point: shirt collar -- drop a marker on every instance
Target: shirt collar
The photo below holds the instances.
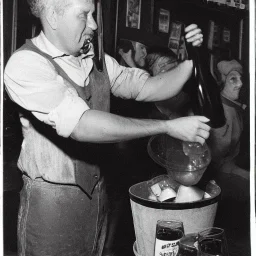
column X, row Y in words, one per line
column 45, row 45
column 233, row 103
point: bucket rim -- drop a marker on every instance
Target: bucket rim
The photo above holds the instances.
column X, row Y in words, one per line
column 171, row 205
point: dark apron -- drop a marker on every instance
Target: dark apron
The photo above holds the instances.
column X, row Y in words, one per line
column 61, row 220
column 65, row 220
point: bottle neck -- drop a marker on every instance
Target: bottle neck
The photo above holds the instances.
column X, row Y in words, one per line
column 192, row 52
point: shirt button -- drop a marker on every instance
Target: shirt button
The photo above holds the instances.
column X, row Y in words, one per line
column 95, row 176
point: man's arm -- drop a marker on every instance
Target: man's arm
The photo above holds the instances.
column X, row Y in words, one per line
column 134, row 83
column 166, row 85
column 98, row 126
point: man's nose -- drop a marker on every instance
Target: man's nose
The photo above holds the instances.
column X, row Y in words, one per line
column 92, row 24
column 239, row 83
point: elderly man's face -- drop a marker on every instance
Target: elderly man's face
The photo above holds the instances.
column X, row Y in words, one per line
column 76, row 25
column 232, row 85
column 140, row 54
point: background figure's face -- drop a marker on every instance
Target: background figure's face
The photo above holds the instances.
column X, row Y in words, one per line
column 232, row 86
column 76, row 25
column 140, row 54
column 163, row 64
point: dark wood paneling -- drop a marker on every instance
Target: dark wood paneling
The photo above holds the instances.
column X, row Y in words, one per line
column 7, row 28
column 109, row 21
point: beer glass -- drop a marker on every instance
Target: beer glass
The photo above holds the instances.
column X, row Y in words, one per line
column 212, row 242
column 168, row 235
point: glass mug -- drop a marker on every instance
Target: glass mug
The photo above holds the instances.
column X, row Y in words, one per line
column 168, row 235
column 212, row 242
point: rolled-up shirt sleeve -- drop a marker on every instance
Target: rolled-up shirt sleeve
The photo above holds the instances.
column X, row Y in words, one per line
column 32, row 82
column 125, row 82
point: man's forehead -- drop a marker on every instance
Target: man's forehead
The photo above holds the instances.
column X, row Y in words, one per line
column 234, row 73
column 140, row 44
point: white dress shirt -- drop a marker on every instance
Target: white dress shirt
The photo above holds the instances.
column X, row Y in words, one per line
column 32, row 82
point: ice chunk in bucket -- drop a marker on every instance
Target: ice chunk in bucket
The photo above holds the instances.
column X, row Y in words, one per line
column 189, row 194
column 194, row 215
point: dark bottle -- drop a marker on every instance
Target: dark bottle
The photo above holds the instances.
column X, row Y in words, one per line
column 203, row 89
column 168, row 235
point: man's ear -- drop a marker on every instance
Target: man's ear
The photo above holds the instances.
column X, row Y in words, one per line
column 51, row 17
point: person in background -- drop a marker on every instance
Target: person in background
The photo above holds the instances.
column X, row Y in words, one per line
column 225, row 141
column 64, row 105
column 160, row 60
column 132, row 53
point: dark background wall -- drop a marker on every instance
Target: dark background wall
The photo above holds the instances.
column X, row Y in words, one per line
column 189, row 12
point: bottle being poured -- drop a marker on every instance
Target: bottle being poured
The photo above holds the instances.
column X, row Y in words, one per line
column 203, row 88
column 205, row 100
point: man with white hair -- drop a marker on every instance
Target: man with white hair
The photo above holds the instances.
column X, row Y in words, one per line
column 64, row 105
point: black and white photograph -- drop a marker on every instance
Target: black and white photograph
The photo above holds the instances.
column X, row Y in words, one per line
column 127, row 128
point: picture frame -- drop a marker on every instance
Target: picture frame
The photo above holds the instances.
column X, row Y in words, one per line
column 216, row 40
column 175, row 37
column 133, row 14
column 164, row 20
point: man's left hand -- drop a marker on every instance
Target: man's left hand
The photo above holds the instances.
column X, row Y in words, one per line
column 194, row 35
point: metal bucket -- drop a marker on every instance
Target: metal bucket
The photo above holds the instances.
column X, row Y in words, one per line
column 194, row 215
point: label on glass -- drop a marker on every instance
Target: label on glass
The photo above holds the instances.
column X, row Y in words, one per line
column 166, row 248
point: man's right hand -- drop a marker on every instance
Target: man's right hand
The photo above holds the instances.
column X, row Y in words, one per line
column 191, row 128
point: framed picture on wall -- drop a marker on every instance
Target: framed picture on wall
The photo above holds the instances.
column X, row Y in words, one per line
column 133, row 13
column 175, row 38
column 164, row 21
